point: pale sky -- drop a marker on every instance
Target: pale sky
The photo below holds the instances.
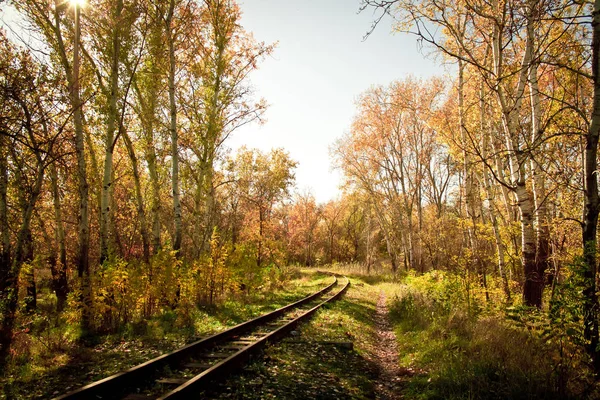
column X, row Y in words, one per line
column 317, row 71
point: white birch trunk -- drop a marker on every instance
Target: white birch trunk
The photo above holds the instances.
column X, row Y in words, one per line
column 106, row 210
column 173, row 130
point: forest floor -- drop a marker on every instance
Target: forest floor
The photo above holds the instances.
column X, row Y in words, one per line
column 410, row 340
column 316, row 363
column 410, row 343
column 59, row 365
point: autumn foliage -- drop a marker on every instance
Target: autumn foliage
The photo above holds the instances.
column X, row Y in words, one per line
column 120, row 201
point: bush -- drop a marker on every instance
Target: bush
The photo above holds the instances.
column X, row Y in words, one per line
column 517, row 354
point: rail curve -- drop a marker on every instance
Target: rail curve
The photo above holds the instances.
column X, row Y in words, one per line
column 187, row 370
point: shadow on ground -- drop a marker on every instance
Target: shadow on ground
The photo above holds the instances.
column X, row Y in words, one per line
column 102, row 356
column 303, row 367
column 301, row 370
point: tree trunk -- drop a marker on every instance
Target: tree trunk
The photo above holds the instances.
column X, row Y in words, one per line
column 83, row 224
column 592, row 203
column 469, row 180
column 518, row 158
column 331, row 237
column 368, row 260
column 30, row 288
column 173, row 130
column 391, row 250
column 260, row 236
column 9, row 274
column 209, row 203
column 150, row 155
column 507, row 195
column 534, row 285
column 498, row 239
column 487, row 184
column 113, row 117
column 5, row 245
column 58, row 269
column 6, row 279
column 138, row 196
column 539, row 185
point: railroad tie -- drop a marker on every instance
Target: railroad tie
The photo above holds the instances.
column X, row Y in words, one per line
column 242, row 342
column 136, row 396
column 232, row 347
column 195, row 365
column 215, row 355
column 172, row 381
column 252, row 339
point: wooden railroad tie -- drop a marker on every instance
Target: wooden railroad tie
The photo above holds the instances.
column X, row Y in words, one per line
column 215, row 355
column 242, row 342
column 136, row 396
column 195, row 365
column 232, row 347
column 172, row 381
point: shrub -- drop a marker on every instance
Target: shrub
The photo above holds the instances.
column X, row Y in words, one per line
column 518, row 353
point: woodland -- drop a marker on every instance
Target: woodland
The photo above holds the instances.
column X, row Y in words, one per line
column 120, row 202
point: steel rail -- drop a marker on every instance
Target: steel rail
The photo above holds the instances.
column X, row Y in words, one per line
column 228, row 365
column 121, row 383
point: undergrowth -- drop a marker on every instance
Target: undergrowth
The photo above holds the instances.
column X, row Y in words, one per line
column 50, row 356
column 484, row 351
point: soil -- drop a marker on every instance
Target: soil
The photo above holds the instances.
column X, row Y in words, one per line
column 388, row 385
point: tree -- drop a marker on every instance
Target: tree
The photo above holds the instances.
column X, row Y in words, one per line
column 502, row 44
column 50, row 21
column 263, row 180
column 305, row 216
column 331, row 217
column 171, row 81
column 172, row 32
column 592, row 203
column 30, row 127
column 216, row 101
column 387, row 155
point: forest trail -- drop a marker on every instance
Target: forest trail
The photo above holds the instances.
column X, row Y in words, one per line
column 388, row 384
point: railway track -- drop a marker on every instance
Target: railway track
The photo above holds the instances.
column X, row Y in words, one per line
column 183, row 373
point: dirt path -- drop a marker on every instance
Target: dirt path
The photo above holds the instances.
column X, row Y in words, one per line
column 388, row 383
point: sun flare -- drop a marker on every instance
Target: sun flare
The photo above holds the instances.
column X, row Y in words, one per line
column 78, row 3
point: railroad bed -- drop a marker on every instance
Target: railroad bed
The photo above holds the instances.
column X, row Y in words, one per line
column 184, row 372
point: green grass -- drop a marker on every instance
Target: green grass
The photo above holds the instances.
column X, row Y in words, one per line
column 450, row 351
column 53, row 361
column 446, row 349
column 477, row 355
column 302, row 367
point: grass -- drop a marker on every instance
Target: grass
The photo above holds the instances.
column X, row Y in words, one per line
column 446, row 349
column 52, row 362
column 478, row 355
column 303, row 367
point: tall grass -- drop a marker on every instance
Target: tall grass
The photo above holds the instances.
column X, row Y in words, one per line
column 482, row 352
